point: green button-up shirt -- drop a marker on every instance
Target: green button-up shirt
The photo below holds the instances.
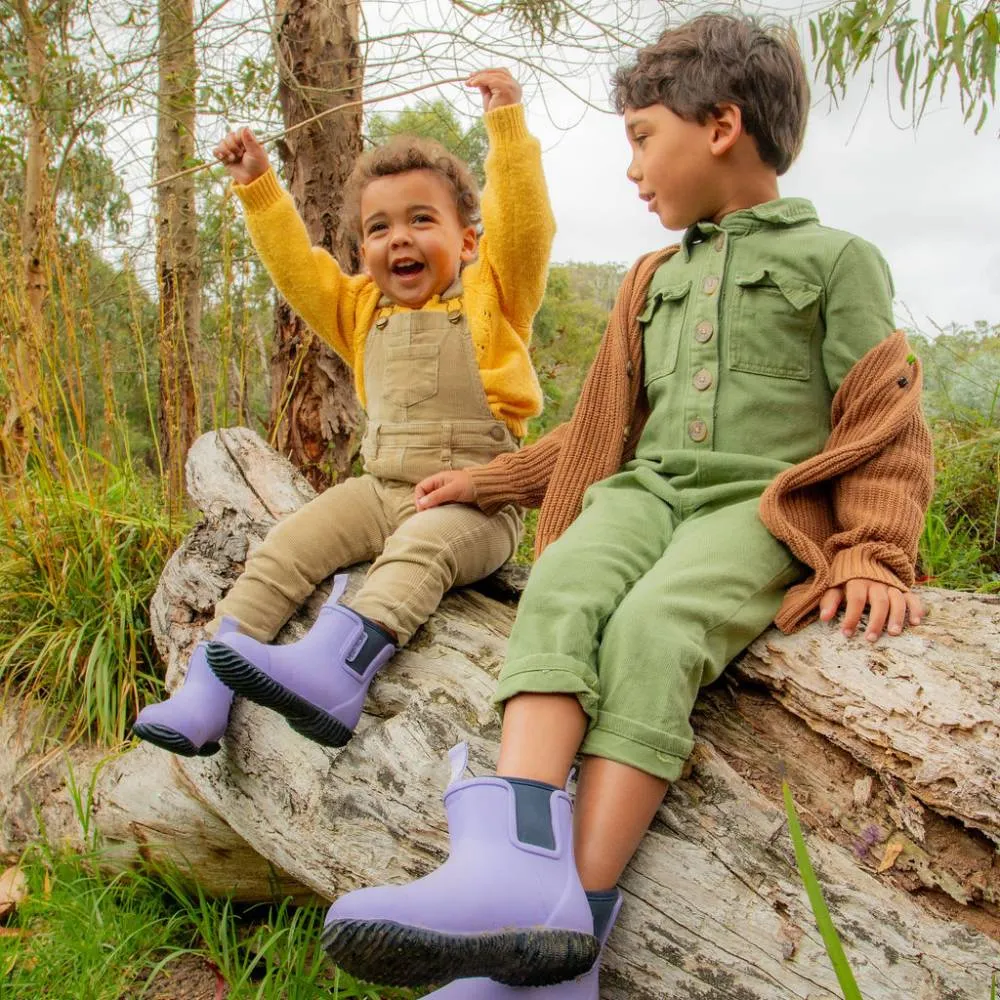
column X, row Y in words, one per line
column 748, row 331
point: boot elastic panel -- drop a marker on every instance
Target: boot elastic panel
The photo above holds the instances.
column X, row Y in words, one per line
column 533, row 811
column 375, row 640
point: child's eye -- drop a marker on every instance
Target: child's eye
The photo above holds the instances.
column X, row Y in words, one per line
column 422, row 217
column 376, row 227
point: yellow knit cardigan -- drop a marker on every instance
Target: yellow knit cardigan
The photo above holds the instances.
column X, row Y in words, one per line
column 502, row 288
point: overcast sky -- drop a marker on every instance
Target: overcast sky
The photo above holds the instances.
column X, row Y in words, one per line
column 928, row 198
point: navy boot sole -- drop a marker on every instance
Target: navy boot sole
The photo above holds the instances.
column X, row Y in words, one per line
column 175, row 742
column 396, row 955
column 242, row 677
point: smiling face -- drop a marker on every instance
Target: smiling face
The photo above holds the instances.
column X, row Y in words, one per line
column 413, row 243
column 673, row 164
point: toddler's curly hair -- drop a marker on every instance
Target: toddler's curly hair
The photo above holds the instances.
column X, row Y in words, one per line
column 399, row 155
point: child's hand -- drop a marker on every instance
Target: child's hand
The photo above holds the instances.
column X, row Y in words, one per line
column 444, row 487
column 887, row 603
column 497, row 86
column 244, row 158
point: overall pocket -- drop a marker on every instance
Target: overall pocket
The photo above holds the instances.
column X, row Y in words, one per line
column 776, row 318
column 411, row 374
column 663, row 321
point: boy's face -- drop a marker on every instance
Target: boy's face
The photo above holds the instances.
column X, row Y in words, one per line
column 673, row 164
column 413, row 242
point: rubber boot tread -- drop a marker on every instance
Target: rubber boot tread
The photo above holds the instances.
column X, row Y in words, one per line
column 396, row 955
column 169, row 739
column 242, row 677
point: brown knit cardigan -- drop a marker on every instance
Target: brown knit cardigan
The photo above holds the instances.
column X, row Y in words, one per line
column 854, row 510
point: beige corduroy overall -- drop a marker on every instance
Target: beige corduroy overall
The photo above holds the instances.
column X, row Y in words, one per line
column 427, row 411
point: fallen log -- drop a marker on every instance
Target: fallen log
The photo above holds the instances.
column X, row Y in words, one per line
column 891, row 752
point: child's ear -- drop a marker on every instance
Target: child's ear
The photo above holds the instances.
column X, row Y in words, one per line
column 726, row 128
column 470, row 244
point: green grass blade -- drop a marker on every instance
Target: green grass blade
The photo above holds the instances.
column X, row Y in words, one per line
column 822, row 915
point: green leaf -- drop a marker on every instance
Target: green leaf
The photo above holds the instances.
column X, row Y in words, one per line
column 822, row 915
column 942, row 13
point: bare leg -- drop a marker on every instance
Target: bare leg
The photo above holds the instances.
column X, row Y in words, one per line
column 615, row 804
column 541, row 735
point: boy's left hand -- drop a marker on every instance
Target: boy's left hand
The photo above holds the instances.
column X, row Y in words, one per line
column 889, row 607
column 497, row 87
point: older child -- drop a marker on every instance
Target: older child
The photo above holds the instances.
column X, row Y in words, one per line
column 437, row 332
column 749, row 380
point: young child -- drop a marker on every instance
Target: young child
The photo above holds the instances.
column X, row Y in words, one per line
column 437, row 332
column 751, row 422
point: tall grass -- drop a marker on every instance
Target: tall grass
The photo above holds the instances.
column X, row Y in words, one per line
column 961, row 545
column 79, row 934
column 84, row 531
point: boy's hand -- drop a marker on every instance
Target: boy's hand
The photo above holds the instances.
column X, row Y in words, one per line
column 454, row 486
column 888, row 605
column 244, row 158
column 497, row 86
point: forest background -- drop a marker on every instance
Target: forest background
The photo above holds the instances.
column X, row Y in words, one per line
column 135, row 317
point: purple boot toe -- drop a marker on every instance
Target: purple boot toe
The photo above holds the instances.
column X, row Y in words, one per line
column 318, row 683
column 586, row 987
column 192, row 720
column 507, row 905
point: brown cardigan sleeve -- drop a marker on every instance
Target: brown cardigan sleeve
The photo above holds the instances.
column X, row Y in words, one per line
column 520, row 477
column 879, row 504
column 879, row 509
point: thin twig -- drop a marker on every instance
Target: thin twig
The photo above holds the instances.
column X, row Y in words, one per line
column 309, row 121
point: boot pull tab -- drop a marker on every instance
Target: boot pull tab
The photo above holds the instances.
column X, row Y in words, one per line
column 339, row 586
column 459, row 757
column 570, row 779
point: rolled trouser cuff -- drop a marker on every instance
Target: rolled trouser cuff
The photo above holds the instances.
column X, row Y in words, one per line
column 657, row 753
column 549, row 673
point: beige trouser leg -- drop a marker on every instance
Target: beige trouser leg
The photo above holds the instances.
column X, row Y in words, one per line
column 422, row 556
column 344, row 525
column 428, row 554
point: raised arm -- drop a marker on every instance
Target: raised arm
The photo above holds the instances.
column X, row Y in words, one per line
column 306, row 275
column 518, row 225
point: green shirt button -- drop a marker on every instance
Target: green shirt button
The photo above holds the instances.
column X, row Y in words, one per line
column 719, row 243
column 697, row 430
column 704, row 331
column 702, row 379
column 710, row 284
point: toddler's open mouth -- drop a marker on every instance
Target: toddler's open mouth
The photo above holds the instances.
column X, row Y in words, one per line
column 407, row 268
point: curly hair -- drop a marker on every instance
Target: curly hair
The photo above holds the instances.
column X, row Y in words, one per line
column 717, row 59
column 399, row 155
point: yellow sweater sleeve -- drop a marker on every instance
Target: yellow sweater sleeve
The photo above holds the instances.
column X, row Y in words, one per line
column 518, row 225
column 331, row 302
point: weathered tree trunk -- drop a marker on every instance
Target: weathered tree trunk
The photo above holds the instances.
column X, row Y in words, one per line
column 22, row 403
column 891, row 753
column 314, row 410
column 177, row 260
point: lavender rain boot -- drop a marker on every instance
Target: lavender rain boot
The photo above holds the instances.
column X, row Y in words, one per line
column 192, row 720
column 318, row 683
column 507, row 905
column 586, row 987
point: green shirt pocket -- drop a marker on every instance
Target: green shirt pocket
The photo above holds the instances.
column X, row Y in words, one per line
column 663, row 321
column 775, row 318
